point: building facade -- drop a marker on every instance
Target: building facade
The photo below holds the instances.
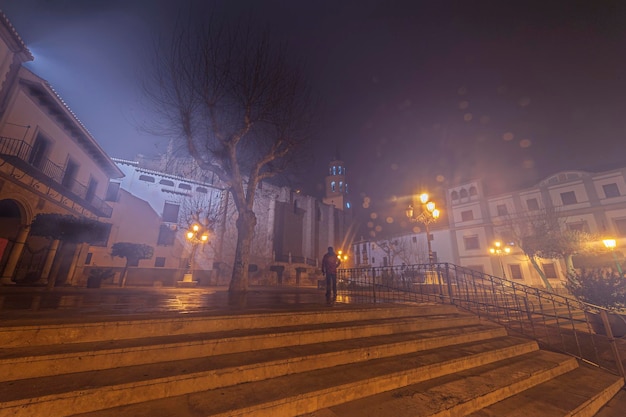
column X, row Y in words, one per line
column 591, row 202
column 50, row 164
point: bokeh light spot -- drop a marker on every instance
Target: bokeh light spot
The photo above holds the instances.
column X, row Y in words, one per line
column 378, row 228
column 370, row 225
column 525, row 143
column 389, row 219
column 373, row 216
column 468, row 117
column 463, row 104
column 440, row 178
column 394, row 167
column 417, row 229
column 528, row 164
column 508, row 136
column 524, row 101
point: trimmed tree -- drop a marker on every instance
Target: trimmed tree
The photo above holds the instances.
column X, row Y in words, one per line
column 133, row 252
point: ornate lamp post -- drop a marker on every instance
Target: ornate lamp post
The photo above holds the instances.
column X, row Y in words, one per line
column 499, row 250
column 611, row 244
column 428, row 215
column 196, row 235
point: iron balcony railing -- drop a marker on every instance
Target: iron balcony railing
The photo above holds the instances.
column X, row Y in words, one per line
column 556, row 321
column 21, row 154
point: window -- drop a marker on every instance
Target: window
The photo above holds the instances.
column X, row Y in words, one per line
column 91, row 189
column 502, row 210
column 467, row 215
column 414, row 239
column 532, row 204
column 620, row 225
column 568, row 198
column 549, row 270
column 610, row 190
column 471, row 242
column 454, row 195
column 71, row 169
column 332, row 186
column 463, row 193
column 170, row 212
column 103, row 237
column 113, row 191
column 477, row 268
column 88, row 258
column 202, row 190
column 184, row 186
column 159, row 261
column 167, row 236
column 39, row 152
column 473, row 191
column 516, row 271
column 578, row 226
column 146, row 178
column 169, row 183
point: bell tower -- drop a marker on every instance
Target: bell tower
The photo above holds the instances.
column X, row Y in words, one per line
column 336, row 192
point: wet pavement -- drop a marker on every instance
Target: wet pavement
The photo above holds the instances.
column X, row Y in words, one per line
column 34, row 304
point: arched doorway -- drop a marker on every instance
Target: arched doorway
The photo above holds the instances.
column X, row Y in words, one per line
column 10, row 225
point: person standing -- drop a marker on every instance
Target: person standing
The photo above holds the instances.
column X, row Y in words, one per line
column 330, row 263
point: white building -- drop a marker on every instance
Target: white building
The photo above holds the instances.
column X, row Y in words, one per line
column 585, row 201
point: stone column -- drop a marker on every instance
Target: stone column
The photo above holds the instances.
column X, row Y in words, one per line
column 15, row 255
column 47, row 266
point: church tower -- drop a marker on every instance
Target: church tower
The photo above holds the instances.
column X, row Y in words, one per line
column 336, row 186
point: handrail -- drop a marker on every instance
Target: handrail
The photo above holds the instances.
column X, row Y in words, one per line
column 556, row 321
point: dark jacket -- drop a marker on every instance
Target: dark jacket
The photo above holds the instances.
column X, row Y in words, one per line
column 330, row 263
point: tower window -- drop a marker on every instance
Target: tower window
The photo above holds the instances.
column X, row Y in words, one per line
column 333, row 186
column 340, row 185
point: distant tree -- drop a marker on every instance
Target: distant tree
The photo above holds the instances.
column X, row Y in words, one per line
column 542, row 234
column 234, row 102
column 133, row 252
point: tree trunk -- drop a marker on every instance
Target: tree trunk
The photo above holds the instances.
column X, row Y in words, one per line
column 246, row 223
column 533, row 261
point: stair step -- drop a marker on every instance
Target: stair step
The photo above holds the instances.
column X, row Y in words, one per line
column 579, row 393
column 461, row 393
column 40, row 361
column 86, row 331
column 300, row 393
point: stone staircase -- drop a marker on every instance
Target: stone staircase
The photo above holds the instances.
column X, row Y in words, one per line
column 350, row 360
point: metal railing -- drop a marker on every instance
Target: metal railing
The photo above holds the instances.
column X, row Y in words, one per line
column 558, row 322
column 23, row 152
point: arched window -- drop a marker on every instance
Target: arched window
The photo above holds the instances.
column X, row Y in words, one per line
column 333, row 185
column 334, row 170
column 463, row 193
column 146, row 178
column 454, row 195
column 473, row 190
column 340, row 186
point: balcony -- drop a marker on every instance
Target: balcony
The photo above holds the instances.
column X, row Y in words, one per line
column 21, row 155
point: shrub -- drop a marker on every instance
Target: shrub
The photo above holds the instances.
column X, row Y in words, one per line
column 603, row 287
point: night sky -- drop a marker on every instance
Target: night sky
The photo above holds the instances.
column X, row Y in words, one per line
column 415, row 95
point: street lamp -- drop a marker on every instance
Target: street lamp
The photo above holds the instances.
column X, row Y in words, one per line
column 611, row 244
column 196, row 235
column 428, row 215
column 499, row 249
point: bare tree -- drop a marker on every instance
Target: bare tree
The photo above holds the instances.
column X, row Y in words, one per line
column 543, row 234
column 236, row 105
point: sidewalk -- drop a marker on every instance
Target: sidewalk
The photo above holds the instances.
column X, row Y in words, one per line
column 37, row 305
